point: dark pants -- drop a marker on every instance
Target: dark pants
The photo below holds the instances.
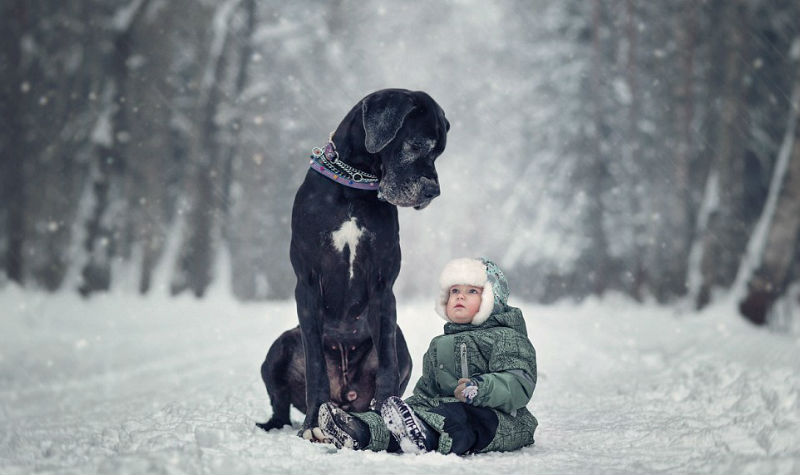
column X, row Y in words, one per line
column 471, row 428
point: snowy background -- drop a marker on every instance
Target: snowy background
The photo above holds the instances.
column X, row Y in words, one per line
column 130, row 385
column 647, row 148
column 633, row 166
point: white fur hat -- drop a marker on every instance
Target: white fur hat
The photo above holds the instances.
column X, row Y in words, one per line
column 480, row 273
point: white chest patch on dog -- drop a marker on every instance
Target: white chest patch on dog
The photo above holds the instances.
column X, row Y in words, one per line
column 348, row 235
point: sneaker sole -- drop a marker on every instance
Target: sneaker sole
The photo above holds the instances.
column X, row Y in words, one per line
column 404, row 425
column 329, row 427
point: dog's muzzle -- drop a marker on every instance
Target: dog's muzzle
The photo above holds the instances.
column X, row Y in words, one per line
column 417, row 194
column 430, row 190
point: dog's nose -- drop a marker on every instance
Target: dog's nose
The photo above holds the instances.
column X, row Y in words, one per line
column 431, row 190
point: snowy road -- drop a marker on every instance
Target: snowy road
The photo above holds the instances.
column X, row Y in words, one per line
column 123, row 385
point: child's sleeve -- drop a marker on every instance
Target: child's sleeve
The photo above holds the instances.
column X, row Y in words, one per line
column 510, row 384
column 426, row 385
column 504, row 390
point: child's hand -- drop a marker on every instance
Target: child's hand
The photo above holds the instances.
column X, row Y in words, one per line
column 459, row 392
column 466, row 390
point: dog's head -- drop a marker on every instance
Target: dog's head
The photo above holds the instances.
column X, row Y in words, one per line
column 406, row 131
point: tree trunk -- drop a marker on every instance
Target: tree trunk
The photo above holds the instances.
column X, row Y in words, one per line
column 597, row 173
column 242, row 77
column 105, row 229
column 782, row 222
column 204, row 220
column 632, row 153
column 13, row 148
column 725, row 238
column 682, row 214
column 100, row 229
column 152, row 164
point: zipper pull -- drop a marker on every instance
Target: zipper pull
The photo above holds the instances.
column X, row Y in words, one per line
column 464, row 366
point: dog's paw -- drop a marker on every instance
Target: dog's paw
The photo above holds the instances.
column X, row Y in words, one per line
column 271, row 424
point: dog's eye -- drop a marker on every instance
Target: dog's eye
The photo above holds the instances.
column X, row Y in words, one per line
column 421, row 146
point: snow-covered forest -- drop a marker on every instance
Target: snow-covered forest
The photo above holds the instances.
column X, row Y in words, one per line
column 641, row 147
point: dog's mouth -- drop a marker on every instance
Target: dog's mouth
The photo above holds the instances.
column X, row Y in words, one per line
column 405, row 203
column 423, row 205
column 416, row 194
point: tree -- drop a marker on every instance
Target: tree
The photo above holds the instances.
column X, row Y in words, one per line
column 111, row 137
column 775, row 245
column 723, row 240
column 16, row 20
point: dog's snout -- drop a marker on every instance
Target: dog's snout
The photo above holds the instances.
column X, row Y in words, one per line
column 431, row 190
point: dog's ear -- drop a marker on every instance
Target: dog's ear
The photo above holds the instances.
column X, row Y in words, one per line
column 383, row 114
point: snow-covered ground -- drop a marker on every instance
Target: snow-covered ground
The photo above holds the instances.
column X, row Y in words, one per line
column 122, row 384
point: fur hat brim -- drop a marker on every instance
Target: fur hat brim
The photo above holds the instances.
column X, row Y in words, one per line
column 465, row 271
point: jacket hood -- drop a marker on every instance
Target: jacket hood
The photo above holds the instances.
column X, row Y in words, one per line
column 480, row 272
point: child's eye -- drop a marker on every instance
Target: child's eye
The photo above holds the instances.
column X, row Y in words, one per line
column 453, row 291
column 473, row 291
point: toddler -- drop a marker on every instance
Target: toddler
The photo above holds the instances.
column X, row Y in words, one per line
column 476, row 379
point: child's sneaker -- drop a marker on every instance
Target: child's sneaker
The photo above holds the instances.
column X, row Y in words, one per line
column 343, row 429
column 410, row 432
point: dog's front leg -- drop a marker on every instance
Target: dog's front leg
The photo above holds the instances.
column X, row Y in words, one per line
column 310, row 315
column 383, row 326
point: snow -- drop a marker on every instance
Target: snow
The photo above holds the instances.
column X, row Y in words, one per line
column 124, row 384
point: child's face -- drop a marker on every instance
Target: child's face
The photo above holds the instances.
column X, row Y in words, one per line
column 463, row 303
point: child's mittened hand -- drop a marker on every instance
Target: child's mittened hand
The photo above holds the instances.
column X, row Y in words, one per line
column 466, row 390
column 459, row 392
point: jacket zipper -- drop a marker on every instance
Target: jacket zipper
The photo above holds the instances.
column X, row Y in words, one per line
column 464, row 366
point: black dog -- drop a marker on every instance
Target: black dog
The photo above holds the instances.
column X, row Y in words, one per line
column 345, row 251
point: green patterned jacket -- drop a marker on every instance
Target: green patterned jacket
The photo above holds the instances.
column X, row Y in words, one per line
column 501, row 359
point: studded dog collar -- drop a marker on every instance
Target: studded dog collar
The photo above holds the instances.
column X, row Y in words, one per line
column 326, row 162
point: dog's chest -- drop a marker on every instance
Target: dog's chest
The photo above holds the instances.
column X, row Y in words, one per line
column 345, row 240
